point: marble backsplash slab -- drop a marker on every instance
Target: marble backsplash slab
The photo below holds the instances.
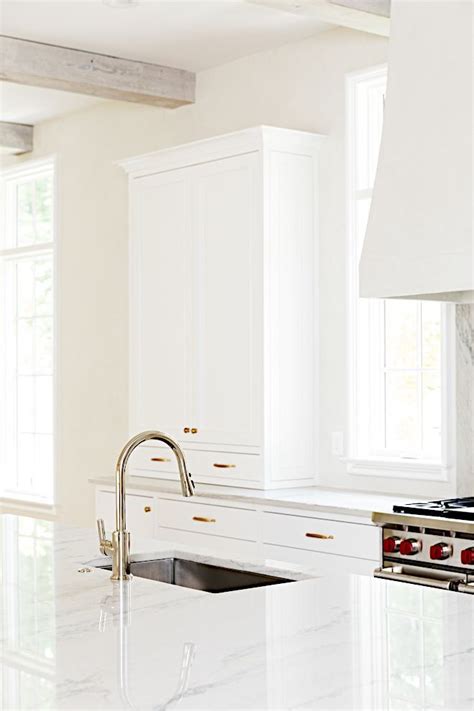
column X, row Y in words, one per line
column 465, row 399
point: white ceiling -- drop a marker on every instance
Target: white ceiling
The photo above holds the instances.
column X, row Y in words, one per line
column 189, row 34
column 31, row 104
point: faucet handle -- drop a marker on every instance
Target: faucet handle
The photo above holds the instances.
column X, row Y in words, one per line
column 105, row 545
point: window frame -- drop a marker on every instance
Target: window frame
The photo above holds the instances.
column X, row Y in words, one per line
column 393, row 467
column 9, row 178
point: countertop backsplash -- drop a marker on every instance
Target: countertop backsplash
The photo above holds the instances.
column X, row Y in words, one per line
column 465, row 398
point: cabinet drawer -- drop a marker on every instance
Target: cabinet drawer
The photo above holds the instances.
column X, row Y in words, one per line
column 217, row 545
column 224, row 465
column 140, row 513
column 209, row 519
column 322, row 535
column 319, row 563
column 154, row 459
column 221, row 466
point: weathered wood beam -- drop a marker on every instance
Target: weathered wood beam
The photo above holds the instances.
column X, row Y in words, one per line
column 374, row 7
column 16, row 137
column 53, row 67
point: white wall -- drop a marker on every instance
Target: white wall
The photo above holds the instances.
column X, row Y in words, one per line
column 300, row 86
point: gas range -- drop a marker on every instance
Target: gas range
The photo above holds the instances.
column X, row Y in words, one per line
column 429, row 543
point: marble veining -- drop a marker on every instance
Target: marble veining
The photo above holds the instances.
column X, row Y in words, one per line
column 73, row 640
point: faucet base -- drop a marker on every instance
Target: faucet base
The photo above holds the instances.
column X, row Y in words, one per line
column 120, row 555
column 118, row 578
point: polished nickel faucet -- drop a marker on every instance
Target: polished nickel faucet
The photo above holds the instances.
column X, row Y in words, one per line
column 119, row 547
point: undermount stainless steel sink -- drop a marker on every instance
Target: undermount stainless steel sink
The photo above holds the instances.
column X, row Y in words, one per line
column 200, row 576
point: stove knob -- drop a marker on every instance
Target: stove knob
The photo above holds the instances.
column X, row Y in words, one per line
column 441, row 551
column 410, row 546
column 467, row 556
column 391, row 544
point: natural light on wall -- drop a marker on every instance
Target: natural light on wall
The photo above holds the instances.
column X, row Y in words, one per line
column 400, row 350
column 27, row 333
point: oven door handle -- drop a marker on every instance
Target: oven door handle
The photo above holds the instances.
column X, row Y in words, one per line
column 466, row 588
column 391, row 574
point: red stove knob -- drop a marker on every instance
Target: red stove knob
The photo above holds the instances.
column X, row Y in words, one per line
column 391, row 544
column 467, row 556
column 441, row 551
column 410, row 546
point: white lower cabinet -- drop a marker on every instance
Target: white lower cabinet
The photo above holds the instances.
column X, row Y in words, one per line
column 320, row 563
column 220, row 546
column 318, row 543
column 212, row 520
column 321, row 535
column 141, row 515
column 226, row 530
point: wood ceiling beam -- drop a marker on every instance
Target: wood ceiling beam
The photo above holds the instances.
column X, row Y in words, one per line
column 53, row 67
column 16, row 137
column 344, row 13
column 374, row 7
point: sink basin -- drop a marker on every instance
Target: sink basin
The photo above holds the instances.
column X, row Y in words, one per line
column 200, row 576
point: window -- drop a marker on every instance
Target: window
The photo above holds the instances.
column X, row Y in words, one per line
column 27, row 334
column 400, row 349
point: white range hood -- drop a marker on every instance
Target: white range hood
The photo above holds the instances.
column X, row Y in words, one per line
column 419, row 239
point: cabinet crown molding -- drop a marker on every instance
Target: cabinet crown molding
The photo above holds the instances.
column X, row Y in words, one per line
column 257, row 138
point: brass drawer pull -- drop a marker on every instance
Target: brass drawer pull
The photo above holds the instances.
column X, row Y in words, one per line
column 186, row 430
column 321, row 536
column 159, row 459
column 204, row 519
column 224, row 466
column 147, row 509
column 194, row 430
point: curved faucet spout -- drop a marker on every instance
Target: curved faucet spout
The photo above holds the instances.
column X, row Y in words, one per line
column 120, row 547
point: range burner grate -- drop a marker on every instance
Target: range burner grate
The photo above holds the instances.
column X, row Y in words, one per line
column 462, row 508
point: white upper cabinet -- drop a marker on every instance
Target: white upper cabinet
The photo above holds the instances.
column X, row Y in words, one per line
column 223, row 277
column 161, row 300
column 227, row 303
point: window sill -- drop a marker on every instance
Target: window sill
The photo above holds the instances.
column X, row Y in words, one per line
column 23, row 506
column 398, row 469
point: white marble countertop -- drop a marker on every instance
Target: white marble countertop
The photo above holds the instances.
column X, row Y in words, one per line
column 310, row 498
column 78, row 641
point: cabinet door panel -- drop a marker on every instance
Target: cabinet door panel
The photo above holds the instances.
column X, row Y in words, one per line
column 227, row 302
column 140, row 513
column 160, row 300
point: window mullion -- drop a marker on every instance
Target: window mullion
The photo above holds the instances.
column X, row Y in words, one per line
column 28, row 251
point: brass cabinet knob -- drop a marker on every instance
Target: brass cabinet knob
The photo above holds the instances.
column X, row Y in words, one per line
column 147, row 509
column 320, row 536
column 194, row 430
column 186, row 430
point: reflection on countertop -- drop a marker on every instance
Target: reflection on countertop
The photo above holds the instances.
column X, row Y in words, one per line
column 76, row 640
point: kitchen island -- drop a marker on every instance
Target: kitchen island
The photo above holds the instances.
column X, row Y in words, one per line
column 70, row 638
